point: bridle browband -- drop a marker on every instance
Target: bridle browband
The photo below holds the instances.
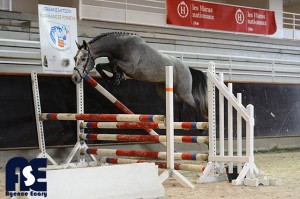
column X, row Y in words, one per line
column 84, row 71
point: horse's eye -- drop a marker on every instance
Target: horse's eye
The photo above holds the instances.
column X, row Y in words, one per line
column 83, row 59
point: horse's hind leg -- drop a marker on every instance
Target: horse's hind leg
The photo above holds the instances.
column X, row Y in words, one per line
column 185, row 95
column 161, row 92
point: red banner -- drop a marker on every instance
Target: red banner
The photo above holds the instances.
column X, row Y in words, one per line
column 220, row 17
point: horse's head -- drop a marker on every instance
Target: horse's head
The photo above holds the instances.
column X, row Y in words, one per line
column 84, row 62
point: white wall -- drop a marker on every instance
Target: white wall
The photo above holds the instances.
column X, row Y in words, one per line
column 26, row 6
column 31, row 6
column 294, row 8
column 4, row 5
column 218, row 1
column 253, row 3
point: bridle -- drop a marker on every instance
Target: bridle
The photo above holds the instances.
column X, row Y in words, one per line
column 84, row 71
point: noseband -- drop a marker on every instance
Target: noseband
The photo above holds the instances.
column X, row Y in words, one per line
column 84, row 71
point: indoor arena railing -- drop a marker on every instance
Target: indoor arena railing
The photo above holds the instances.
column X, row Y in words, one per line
column 25, row 52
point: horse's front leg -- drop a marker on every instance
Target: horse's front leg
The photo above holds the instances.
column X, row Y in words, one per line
column 108, row 67
column 117, row 77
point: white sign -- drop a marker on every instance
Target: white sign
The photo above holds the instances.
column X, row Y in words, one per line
column 58, row 33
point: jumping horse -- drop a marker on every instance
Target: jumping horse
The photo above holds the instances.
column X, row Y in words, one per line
column 129, row 54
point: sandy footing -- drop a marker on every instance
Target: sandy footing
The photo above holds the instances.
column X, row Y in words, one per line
column 284, row 166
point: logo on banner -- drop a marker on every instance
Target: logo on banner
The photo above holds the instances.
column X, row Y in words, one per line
column 239, row 16
column 182, row 10
column 59, row 36
column 31, row 181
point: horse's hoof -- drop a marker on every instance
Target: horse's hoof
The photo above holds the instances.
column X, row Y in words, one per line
column 117, row 75
column 117, row 82
column 122, row 76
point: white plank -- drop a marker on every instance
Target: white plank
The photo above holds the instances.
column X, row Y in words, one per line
column 119, row 181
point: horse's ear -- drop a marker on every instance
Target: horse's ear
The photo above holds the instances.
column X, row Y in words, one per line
column 84, row 44
column 78, row 45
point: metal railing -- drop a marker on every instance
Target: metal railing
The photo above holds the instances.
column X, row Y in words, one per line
column 19, row 41
column 17, row 55
column 291, row 20
column 234, row 67
column 291, row 25
column 242, row 65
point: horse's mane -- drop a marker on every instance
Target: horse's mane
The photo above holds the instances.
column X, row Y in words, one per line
column 108, row 34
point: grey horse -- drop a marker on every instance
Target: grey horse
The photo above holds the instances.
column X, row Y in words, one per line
column 130, row 54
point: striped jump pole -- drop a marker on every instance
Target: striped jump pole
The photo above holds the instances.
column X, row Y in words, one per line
column 103, row 117
column 162, row 165
column 144, row 138
column 143, row 125
column 115, row 101
column 144, row 154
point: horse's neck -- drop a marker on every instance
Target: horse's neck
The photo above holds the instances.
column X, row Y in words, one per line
column 104, row 47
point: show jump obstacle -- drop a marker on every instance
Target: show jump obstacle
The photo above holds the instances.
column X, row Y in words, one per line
column 217, row 159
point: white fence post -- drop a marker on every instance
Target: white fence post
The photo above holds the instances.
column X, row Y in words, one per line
column 221, row 125
column 246, row 165
column 239, row 133
column 169, row 117
column 80, row 143
column 250, row 140
column 170, row 171
column 230, row 130
column 39, row 123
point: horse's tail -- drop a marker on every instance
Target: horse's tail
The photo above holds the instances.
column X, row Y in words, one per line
column 199, row 90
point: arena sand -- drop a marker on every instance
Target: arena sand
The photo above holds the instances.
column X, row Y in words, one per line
column 284, row 166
